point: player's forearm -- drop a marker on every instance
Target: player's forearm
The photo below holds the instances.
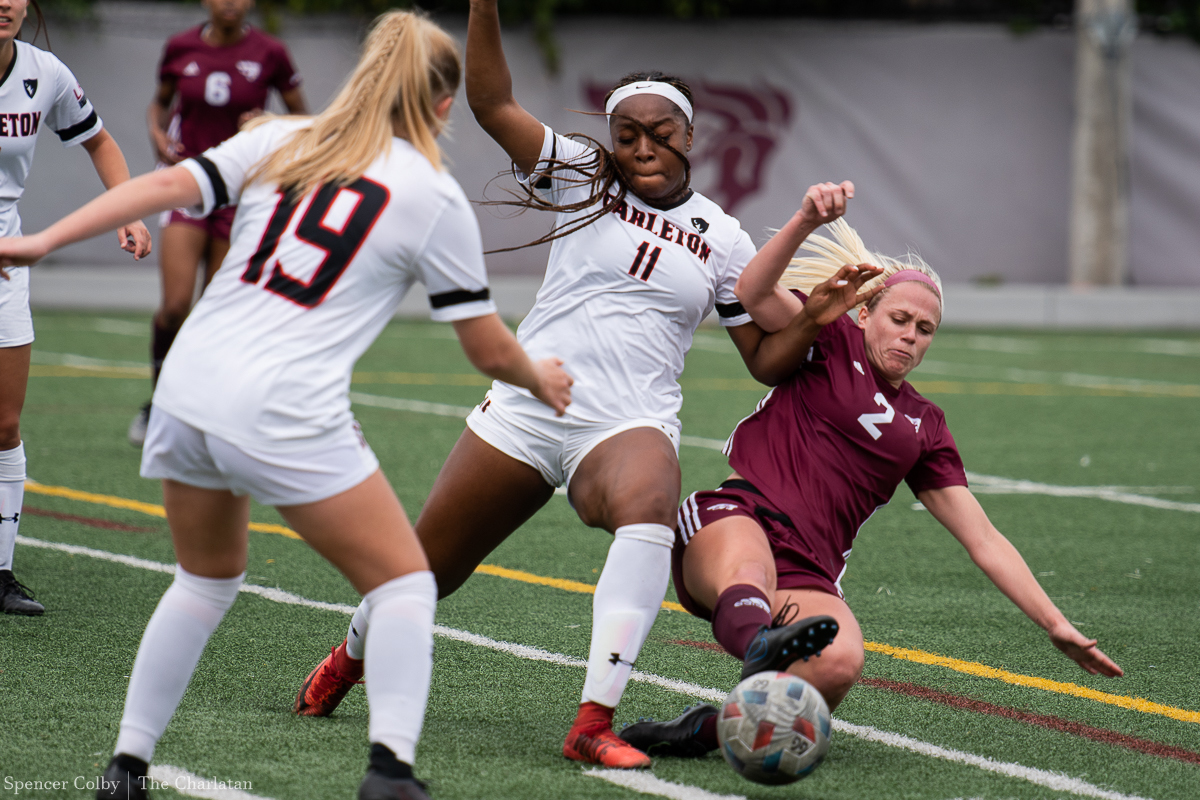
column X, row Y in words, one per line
column 488, row 80
column 108, row 160
column 493, row 350
column 771, row 306
column 780, row 354
column 128, row 201
column 1005, row 567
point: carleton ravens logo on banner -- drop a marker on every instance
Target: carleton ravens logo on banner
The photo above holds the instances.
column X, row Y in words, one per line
column 31, row 86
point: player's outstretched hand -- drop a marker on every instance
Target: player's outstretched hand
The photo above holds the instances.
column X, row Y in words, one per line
column 839, row 294
column 134, row 238
column 554, row 385
column 825, row 202
column 21, row 251
column 1083, row 651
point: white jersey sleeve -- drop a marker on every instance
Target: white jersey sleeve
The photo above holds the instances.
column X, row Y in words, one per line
column 565, row 169
column 730, row 311
column 221, row 171
column 71, row 116
column 452, row 266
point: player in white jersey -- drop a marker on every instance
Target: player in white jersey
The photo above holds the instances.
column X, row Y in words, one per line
column 638, row 260
column 253, row 397
column 36, row 91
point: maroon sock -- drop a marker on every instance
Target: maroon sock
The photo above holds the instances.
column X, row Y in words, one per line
column 160, row 343
column 707, row 735
column 741, row 610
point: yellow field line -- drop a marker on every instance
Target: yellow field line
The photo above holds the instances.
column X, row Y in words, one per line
column 136, row 505
column 1033, row 682
column 917, row 656
column 557, row 583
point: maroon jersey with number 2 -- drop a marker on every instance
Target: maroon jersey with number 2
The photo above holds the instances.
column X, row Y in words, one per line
column 216, row 85
column 830, row 445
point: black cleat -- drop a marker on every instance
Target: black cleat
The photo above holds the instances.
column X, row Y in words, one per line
column 776, row 648
column 16, row 597
column 125, row 779
column 678, row 738
column 377, row 786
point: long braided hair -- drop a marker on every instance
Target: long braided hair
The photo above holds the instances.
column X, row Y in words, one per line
column 600, row 172
column 407, row 64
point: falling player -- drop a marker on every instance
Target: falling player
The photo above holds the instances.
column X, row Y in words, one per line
column 253, row 399
column 36, row 90
column 211, row 80
column 638, row 260
column 825, row 449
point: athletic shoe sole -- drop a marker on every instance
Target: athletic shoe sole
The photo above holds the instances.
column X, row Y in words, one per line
column 775, row 649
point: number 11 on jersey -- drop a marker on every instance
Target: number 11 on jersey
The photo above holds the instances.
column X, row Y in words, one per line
column 641, row 254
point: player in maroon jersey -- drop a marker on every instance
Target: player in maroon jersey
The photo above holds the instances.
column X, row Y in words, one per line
column 212, row 78
column 824, row 449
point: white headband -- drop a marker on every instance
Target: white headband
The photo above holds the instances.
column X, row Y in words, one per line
column 650, row 87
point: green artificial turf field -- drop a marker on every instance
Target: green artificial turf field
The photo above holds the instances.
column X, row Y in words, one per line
column 1036, row 416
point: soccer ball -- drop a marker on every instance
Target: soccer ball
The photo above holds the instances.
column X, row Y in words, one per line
column 774, row 728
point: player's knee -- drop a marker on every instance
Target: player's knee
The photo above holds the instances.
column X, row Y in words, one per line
column 173, row 313
column 10, row 430
column 839, row 670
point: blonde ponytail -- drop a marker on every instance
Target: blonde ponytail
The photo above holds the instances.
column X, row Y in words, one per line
column 846, row 247
column 407, row 65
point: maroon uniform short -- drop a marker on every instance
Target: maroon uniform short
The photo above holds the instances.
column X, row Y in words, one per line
column 794, row 568
column 217, row 224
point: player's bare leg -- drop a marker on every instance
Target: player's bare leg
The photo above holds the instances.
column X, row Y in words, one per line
column 479, row 498
column 629, row 485
column 841, row 663
column 15, row 597
column 365, row 534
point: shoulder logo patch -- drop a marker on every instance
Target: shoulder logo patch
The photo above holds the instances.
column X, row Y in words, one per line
column 191, row 70
column 916, row 421
column 250, row 70
column 80, row 97
column 858, row 367
column 700, row 224
column 31, row 86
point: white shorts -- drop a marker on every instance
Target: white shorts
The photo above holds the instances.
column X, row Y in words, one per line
column 177, row 451
column 16, row 323
column 527, row 429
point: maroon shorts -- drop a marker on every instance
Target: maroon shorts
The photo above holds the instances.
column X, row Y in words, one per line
column 217, row 224
column 794, row 567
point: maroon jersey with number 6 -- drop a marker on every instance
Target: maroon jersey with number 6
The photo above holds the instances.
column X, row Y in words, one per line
column 216, row 85
column 830, row 445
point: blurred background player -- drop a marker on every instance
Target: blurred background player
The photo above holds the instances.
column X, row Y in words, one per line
column 253, row 399
column 211, row 80
column 822, row 452
column 638, row 260
column 36, row 90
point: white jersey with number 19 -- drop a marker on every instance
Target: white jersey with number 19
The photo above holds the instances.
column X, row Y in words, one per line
column 264, row 360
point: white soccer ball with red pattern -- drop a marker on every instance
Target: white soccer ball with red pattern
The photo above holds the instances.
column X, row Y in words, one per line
column 774, row 728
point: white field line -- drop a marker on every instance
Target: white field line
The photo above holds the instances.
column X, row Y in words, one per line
column 82, row 362
column 1051, row 780
column 646, row 783
column 189, row 784
column 1017, row 375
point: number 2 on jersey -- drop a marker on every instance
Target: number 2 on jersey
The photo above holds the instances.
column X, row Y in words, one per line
column 869, row 421
column 339, row 238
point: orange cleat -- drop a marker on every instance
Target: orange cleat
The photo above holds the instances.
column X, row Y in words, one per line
column 604, row 748
column 326, row 686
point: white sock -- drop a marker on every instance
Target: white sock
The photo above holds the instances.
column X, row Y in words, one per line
column 628, row 595
column 175, row 637
column 356, row 636
column 399, row 660
column 12, row 494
